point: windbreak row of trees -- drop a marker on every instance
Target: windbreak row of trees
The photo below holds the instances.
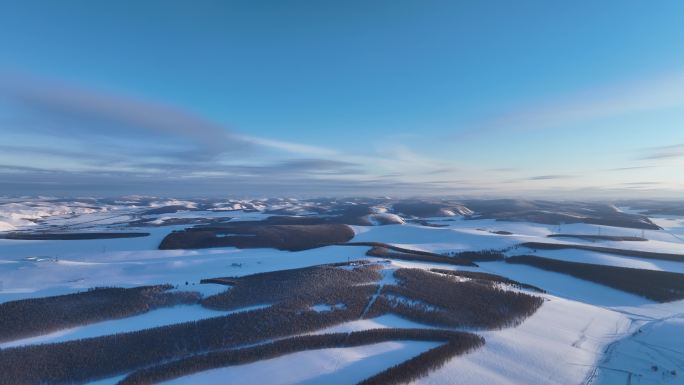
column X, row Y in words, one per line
column 488, row 279
column 441, row 300
column 596, row 237
column 420, row 365
column 607, row 250
column 454, row 343
column 386, row 251
column 481, row 255
column 35, row 316
column 660, row 286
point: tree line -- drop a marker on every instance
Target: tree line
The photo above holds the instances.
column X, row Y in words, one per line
column 660, row 286
column 488, row 279
column 481, row 255
column 385, row 251
column 454, row 343
column 35, row 316
column 607, row 250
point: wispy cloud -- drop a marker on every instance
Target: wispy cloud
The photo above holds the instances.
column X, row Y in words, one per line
column 664, row 152
column 504, row 169
column 117, row 142
column 115, row 139
column 630, row 168
column 290, row 147
column 550, row 177
column 614, row 100
column 66, row 109
column 642, row 183
column 18, row 180
column 122, row 141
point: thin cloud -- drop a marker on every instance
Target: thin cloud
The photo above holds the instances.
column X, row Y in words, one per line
column 15, row 180
column 443, row 170
column 42, row 151
column 306, row 167
column 642, row 183
column 631, row 168
column 68, row 109
column 289, row 147
column 648, row 95
column 664, row 152
column 117, row 133
column 504, row 169
column 138, row 133
column 121, row 143
column 550, row 177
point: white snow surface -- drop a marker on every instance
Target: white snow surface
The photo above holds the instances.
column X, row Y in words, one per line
column 556, row 345
column 339, row 366
column 584, row 333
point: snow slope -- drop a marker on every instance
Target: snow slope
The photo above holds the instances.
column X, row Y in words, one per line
column 652, row 350
column 584, row 333
column 339, row 366
column 556, row 345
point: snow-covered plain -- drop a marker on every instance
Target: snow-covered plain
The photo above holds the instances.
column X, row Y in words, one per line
column 584, row 333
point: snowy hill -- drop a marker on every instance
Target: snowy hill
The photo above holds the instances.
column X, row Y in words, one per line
column 585, row 331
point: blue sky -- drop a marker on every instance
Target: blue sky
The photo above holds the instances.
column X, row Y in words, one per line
column 526, row 98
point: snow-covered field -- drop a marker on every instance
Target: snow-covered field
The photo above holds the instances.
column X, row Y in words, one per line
column 583, row 333
column 339, row 366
